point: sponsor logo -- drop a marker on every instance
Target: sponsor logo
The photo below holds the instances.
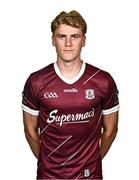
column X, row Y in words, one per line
column 73, row 90
column 50, row 95
column 69, row 118
column 89, row 94
column 86, row 173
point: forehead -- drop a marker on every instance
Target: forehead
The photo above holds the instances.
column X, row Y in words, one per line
column 66, row 29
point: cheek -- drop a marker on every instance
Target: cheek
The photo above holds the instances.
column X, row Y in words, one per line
column 79, row 46
column 59, row 44
column 58, row 49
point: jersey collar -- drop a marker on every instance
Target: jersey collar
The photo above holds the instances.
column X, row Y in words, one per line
column 69, row 81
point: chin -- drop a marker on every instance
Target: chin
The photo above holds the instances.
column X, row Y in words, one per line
column 68, row 60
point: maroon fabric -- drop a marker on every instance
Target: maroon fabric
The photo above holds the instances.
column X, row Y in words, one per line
column 70, row 121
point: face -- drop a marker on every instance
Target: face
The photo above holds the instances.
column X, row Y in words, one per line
column 68, row 42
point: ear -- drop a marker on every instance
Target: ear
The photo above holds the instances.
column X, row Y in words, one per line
column 53, row 40
column 84, row 40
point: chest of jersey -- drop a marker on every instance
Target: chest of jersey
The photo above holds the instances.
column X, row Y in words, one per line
column 69, row 98
column 70, row 106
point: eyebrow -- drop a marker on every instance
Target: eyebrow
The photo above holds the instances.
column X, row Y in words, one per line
column 76, row 34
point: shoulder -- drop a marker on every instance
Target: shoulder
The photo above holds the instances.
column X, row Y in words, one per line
column 98, row 73
column 42, row 72
column 100, row 78
column 37, row 78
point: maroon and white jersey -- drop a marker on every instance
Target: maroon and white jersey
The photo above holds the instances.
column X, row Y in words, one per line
column 70, row 119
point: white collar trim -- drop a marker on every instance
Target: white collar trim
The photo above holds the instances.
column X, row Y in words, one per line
column 69, row 81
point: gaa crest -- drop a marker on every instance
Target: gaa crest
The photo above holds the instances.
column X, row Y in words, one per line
column 89, row 94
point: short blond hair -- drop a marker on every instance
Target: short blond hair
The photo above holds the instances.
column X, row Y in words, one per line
column 73, row 18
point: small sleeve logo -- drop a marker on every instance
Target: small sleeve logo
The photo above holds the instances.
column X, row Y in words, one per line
column 86, row 173
column 116, row 96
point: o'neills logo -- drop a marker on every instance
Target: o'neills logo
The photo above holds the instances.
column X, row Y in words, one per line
column 73, row 90
column 69, row 118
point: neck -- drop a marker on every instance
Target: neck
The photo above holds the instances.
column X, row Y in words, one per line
column 69, row 69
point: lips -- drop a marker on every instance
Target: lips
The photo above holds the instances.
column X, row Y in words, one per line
column 68, row 51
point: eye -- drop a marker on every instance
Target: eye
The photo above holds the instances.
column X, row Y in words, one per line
column 75, row 36
column 60, row 36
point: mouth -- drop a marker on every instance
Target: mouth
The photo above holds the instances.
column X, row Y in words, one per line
column 68, row 50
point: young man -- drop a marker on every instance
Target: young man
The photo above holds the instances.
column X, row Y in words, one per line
column 70, row 108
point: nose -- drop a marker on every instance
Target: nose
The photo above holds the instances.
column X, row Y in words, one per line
column 68, row 42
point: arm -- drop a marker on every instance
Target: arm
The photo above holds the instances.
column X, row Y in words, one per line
column 110, row 128
column 31, row 132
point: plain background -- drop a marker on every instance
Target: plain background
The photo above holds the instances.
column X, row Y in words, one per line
column 25, row 46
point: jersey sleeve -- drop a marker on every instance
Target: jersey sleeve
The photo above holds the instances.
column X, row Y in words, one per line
column 29, row 100
column 110, row 102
